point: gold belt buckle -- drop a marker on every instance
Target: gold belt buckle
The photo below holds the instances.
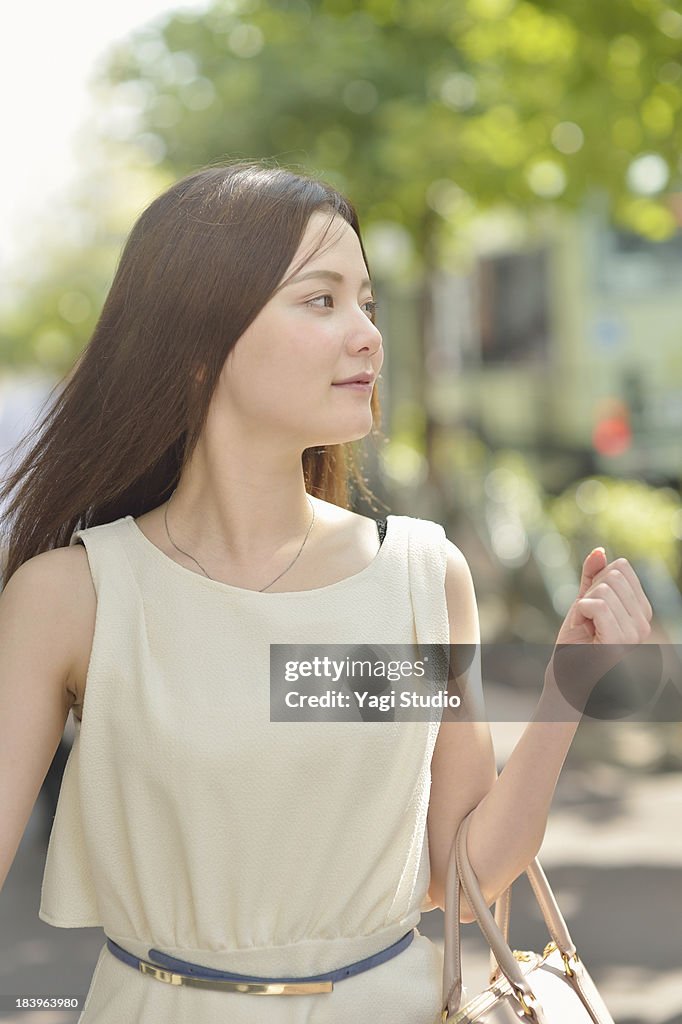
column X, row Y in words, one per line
column 158, row 972
column 256, row 988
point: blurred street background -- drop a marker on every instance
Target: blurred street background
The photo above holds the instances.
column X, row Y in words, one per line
column 517, row 169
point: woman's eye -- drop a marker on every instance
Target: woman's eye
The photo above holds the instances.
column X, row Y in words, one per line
column 371, row 306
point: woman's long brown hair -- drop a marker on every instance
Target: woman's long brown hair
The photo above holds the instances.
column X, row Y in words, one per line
column 200, row 263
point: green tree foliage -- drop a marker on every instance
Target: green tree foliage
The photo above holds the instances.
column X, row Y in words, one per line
column 59, row 289
column 634, row 519
column 423, row 108
column 424, row 111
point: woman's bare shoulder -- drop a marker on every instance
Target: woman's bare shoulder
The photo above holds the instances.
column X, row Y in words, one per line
column 64, row 573
column 337, row 517
column 346, row 543
column 345, row 528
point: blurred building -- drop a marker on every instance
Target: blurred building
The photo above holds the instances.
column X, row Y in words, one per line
column 568, row 347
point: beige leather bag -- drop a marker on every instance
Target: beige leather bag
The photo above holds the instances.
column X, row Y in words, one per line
column 552, row 987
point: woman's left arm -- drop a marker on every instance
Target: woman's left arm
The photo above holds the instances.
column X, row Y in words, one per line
column 510, row 811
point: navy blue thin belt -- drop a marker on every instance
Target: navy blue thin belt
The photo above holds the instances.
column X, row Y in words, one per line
column 182, row 972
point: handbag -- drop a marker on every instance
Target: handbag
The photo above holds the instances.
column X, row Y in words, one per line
column 552, row 987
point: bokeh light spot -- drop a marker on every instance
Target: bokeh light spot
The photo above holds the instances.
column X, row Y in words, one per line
column 546, row 178
column 246, row 41
column 648, row 174
column 567, row 137
column 360, row 96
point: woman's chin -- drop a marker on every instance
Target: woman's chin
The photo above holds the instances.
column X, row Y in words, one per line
column 353, row 433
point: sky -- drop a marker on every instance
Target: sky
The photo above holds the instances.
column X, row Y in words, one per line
column 48, row 52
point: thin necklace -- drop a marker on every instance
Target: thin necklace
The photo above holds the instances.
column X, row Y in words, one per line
column 165, row 518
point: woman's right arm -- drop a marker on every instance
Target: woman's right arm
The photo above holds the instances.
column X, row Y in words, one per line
column 36, row 659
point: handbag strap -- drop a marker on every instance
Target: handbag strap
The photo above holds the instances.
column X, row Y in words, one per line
column 502, row 912
column 556, row 925
column 495, row 931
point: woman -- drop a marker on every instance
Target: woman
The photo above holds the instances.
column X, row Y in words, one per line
column 203, row 446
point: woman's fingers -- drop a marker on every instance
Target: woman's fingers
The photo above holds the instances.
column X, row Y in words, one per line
column 622, row 566
column 629, row 606
column 611, row 624
column 605, row 623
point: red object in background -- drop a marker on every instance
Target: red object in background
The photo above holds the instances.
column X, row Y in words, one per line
column 612, row 434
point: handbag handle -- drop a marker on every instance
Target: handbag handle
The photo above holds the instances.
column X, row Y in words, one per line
column 502, row 912
column 460, row 870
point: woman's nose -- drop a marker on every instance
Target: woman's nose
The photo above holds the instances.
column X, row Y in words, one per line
column 366, row 335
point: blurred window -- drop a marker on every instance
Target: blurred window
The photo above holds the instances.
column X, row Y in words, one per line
column 513, row 302
column 629, row 263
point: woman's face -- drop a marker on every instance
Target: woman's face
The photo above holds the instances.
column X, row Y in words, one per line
column 316, row 330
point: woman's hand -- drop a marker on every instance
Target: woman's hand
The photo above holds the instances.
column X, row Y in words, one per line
column 611, row 607
column 610, row 614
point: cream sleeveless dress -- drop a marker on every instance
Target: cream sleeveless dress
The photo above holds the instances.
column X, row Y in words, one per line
column 189, row 822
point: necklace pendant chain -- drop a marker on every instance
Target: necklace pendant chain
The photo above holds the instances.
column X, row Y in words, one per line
column 165, row 518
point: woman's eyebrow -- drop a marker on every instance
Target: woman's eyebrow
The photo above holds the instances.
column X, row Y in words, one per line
column 331, row 275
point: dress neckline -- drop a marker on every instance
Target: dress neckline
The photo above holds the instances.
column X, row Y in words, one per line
column 369, row 570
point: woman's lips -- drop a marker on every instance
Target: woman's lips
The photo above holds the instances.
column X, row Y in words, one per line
column 355, row 386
